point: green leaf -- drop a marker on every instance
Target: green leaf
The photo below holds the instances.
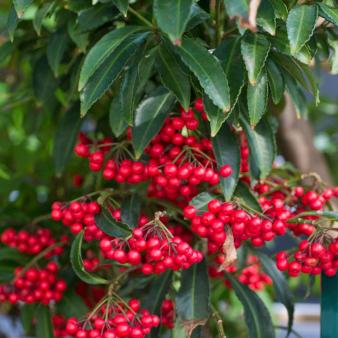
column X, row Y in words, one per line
column 72, row 305
column 56, row 48
column 117, row 120
column 297, row 96
column 276, row 81
column 227, row 151
column 109, row 225
column 122, row 6
column 280, row 285
column 237, row 8
column 6, row 50
column 329, row 13
column 333, row 42
column 281, row 10
column 12, row 22
column 21, row 6
column 331, row 215
column 172, row 17
column 77, row 263
column 40, row 15
column 215, row 115
column 65, row 138
column 27, row 314
column 173, row 75
column 257, row 97
column 44, row 326
column 192, row 299
column 109, row 70
column 149, row 118
column 255, row 49
column 266, row 17
column 95, row 16
column 282, row 44
column 13, row 255
column 262, row 148
column 197, row 16
column 300, row 25
column 229, row 52
column 200, row 202
column 103, row 49
column 256, row 314
column 44, row 83
column 79, row 38
column 208, row 71
column 131, row 210
column 247, row 197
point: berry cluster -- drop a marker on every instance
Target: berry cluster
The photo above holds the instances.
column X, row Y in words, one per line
column 117, row 320
column 34, row 286
column 167, row 313
column 31, row 243
column 311, row 257
column 178, row 161
column 252, row 275
column 78, row 216
column 59, row 325
column 152, row 247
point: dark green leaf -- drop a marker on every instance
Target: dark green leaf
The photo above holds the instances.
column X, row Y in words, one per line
column 65, row 138
column 109, row 225
column 44, row 326
column 200, row 202
column 103, row 49
column 280, row 285
column 109, row 70
column 256, row 314
column 266, row 17
column 333, row 42
column 300, row 25
column 255, row 49
column 117, row 120
column 27, row 314
column 276, row 82
column 229, row 52
column 281, row 10
column 56, row 48
column 192, row 299
column 12, row 22
column 246, row 196
column 122, row 6
column 215, row 115
column 262, row 148
column 257, row 97
column 13, row 255
column 131, row 209
column 95, row 16
column 172, row 17
column 149, row 118
column 227, row 151
column 197, row 16
column 79, row 38
column 21, row 6
column 237, row 8
column 72, row 305
column 77, row 263
column 208, row 71
column 41, row 13
column 329, row 13
column 297, row 96
column 44, row 83
column 173, row 76
column 5, row 51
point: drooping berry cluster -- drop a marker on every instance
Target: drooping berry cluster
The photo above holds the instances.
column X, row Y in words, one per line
column 78, row 216
column 315, row 257
column 34, row 286
column 153, row 248
column 168, row 313
column 31, row 243
column 117, row 320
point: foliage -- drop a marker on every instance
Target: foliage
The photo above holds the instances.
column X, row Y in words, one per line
column 183, row 87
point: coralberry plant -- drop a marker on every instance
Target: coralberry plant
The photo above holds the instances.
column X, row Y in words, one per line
column 165, row 202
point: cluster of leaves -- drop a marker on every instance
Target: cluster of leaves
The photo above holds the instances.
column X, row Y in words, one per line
column 127, row 64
